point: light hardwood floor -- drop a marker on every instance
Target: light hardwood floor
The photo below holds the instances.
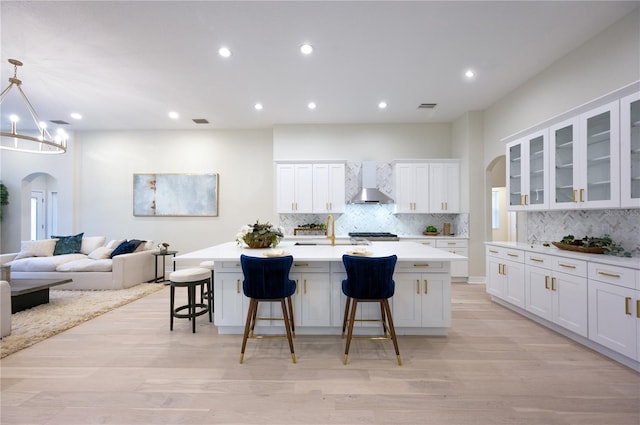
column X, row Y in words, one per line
column 495, row 367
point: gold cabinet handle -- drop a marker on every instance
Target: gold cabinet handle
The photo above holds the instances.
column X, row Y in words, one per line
column 512, row 255
column 238, row 286
column 575, row 192
column 452, row 243
column 553, row 283
column 426, row 286
column 446, row 206
column 305, row 286
column 526, row 201
column 301, row 264
column 521, row 198
column 609, row 274
column 492, row 251
column 581, row 195
column 546, row 282
column 627, row 305
column 569, row 266
column 638, row 309
column 421, row 265
column 537, row 260
column 418, row 286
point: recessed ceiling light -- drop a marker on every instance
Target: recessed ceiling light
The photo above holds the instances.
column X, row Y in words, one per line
column 382, row 105
column 469, row 73
column 173, row 115
column 75, row 116
column 311, row 105
column 306, row 49
column 224, row 52
column 258, row 106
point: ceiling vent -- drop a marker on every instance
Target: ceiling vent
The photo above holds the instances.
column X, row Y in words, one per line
column 427, row 105
column 201, row 121
column 59, row 122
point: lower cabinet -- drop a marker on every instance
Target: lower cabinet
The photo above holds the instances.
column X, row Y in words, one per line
column 230, row 303
column 505, row 274
column 422, row 299
column 614, row 309
column 555, row 296
column 312, row 300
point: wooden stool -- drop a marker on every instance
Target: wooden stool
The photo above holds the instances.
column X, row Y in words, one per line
column 190, row 279
column 207, row 265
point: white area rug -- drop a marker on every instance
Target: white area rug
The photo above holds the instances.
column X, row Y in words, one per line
column 65, row 310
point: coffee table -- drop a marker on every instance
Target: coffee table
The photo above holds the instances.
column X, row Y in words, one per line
column 27, row 293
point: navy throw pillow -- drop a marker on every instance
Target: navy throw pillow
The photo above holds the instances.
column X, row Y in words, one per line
column 67, row 244
column 126, row 247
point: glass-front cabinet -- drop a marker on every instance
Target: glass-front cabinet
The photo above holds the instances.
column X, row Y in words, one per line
column 630, row 151
column 527, row 172
column 584, row 158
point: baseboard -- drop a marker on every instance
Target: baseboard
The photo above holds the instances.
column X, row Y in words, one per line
column 476, row 280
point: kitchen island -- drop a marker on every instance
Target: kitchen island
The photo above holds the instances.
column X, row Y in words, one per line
column 421, row 304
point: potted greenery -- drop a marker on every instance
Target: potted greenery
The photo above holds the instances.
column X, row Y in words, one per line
column 431, row 231
column 4, row 199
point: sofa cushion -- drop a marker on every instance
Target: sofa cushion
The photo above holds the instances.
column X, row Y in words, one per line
column 126, row 247
column 40, row 248
column 114, row 243
column 43, row 264
column 100, row 253
column 67, row 244
column 86, row 265
column 91, row 243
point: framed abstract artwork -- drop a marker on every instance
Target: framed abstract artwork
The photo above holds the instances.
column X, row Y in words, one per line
column 175, row 195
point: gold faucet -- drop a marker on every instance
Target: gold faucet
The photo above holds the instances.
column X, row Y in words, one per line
column 331, row 236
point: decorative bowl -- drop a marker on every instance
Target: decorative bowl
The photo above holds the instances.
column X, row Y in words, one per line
column 583, row 249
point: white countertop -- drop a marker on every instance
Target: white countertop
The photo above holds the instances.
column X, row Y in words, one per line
column 406, row 251
column 632, row 262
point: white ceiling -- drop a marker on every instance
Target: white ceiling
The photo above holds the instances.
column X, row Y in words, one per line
column 125, row 65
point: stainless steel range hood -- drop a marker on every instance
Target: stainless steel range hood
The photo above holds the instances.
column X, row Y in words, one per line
column 369, row 194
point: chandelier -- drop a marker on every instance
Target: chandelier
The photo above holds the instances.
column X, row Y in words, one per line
column 34, row 141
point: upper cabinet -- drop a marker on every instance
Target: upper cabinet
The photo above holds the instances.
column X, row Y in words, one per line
column 585, row 157
column 630, row 151
column 412, row 187
column 328, row 188
column 444, row 187
column 310, row 188
column 427, row 187
column 294, row 188
column 528, row 172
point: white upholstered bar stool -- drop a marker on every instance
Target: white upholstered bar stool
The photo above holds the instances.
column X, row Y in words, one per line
column 190, row 279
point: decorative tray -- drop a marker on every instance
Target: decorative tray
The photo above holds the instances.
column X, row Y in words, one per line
column 431, row 233
column 583, row 249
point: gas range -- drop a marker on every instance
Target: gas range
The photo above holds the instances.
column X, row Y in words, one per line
column 374, row 236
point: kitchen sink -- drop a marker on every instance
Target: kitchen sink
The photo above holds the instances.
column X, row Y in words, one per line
column 328, row 242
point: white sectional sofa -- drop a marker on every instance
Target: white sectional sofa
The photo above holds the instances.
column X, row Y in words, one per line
column 90, row 268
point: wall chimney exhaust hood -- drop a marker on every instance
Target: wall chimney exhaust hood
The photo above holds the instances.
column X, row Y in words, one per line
column 369, row 194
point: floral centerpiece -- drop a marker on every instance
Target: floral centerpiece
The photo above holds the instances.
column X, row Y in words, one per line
column 259, row 235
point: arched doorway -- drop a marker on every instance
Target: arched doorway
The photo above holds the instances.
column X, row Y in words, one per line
column 502, row 224
column 39, row 205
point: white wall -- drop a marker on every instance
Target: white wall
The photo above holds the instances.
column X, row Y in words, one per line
column 357, row 142
column 107, row 161
column 17, row 170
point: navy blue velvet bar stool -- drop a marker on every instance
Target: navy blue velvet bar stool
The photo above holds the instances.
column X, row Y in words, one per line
column 267, row 280
column 369, row 279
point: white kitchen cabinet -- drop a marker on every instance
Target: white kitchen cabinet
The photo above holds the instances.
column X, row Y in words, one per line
column 528, row 172
column 456, row 246
column 328, row 188
column 412, row 187
column 505, row 274
column 294, row 188
column 444, row 187
column 555, row 295
column 614, row 308
column 230, row 303
column 585, row 155
column 422, row 298
column 313, row 293
column 630, row 151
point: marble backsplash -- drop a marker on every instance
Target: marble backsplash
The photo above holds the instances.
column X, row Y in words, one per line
column 623, row 226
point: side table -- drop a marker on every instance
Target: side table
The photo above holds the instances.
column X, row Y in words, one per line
column 164, row 255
